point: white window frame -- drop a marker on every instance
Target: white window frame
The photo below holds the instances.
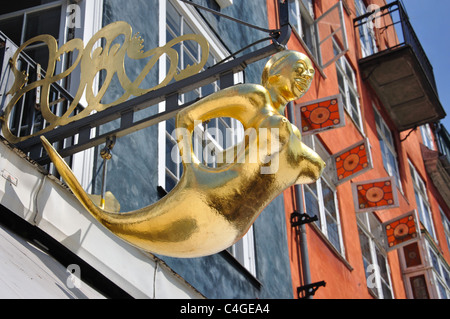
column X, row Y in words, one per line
column 425, row 217
column 371, row 228
column 301, row 15
column 244, row 250
column 302, row 11
column 196, row 23
column 366, row 35
column 91, row 15
column 349, row 90
column 427, row 136
column 439, row 272
column 421, row 269
column 325, row 180
column 433, row 267
column 446, row 224
column 322, row 39
column 409, row 289
column 387, row 148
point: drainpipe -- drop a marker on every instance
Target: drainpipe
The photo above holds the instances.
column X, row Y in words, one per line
column 302, row 228
column 303, row 239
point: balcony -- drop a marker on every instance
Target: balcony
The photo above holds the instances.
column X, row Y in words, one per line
column 398, row 69
column 26, row 118
column 437, row 163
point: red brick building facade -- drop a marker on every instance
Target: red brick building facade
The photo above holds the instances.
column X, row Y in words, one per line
column 391, row 113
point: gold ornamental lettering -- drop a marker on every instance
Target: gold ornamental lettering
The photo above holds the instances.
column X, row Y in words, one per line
column 109, row 58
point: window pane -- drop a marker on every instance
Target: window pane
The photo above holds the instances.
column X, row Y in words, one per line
column 434, row 260
column 43, row 22
column 377, row 119
column 170, row 163
column 328, row 199
column 170, row 125
column 392, row 163
column 387, row 134
column 12, row 28
column 170, row 183
column 428, row 223
column 308, row 35
column 349, row 73
column 333, row 232
column 365, row 245
column 348, row 89
column 191, row 46
column 340, row 81
column 310, row 6
column 365, row 248
column 313, row 188
column 208, row 89
column 447, row 277
column 354, row 107
column 331, row 32
column 311, row 202
column 173, row 19
column 188, row 60
column 419, row 207
column 413, row 173
column 375, row 228
column 293, row 17
column 387, row 292
column 442, row 292
column 371, row 239
column 382, row 264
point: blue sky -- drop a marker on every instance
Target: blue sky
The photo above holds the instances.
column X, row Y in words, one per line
column 430, row 20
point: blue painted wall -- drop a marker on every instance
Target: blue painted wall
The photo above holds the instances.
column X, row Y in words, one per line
column 236, row 36
column 132, row 172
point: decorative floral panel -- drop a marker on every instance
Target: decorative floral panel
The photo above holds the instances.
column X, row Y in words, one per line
column 352, row 162
column 320, row 115
column 375, row 195
column 401, row 231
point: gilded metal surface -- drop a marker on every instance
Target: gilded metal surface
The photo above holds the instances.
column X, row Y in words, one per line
column 92, row 59
column 212, row 208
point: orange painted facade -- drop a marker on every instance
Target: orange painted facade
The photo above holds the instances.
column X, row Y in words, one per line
column 344, row 272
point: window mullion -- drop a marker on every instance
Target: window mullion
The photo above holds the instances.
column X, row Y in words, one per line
column 338, row 222
column 373, row 254
column 24, row 28
column 322, row 215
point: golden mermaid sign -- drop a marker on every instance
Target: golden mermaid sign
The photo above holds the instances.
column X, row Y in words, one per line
column 119, row 43
column 210, row 209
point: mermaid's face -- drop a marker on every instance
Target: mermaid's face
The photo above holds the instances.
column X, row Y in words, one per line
column 291, row 75
column 301, row 77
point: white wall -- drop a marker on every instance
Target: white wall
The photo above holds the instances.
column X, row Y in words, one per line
column 47, row 203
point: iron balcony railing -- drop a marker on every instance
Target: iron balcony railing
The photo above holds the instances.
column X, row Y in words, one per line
column 393, row 16
column 26, row 118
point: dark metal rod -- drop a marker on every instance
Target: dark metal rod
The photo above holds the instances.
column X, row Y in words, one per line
column 102, row 199
column 306, row 271
column 228, row 17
